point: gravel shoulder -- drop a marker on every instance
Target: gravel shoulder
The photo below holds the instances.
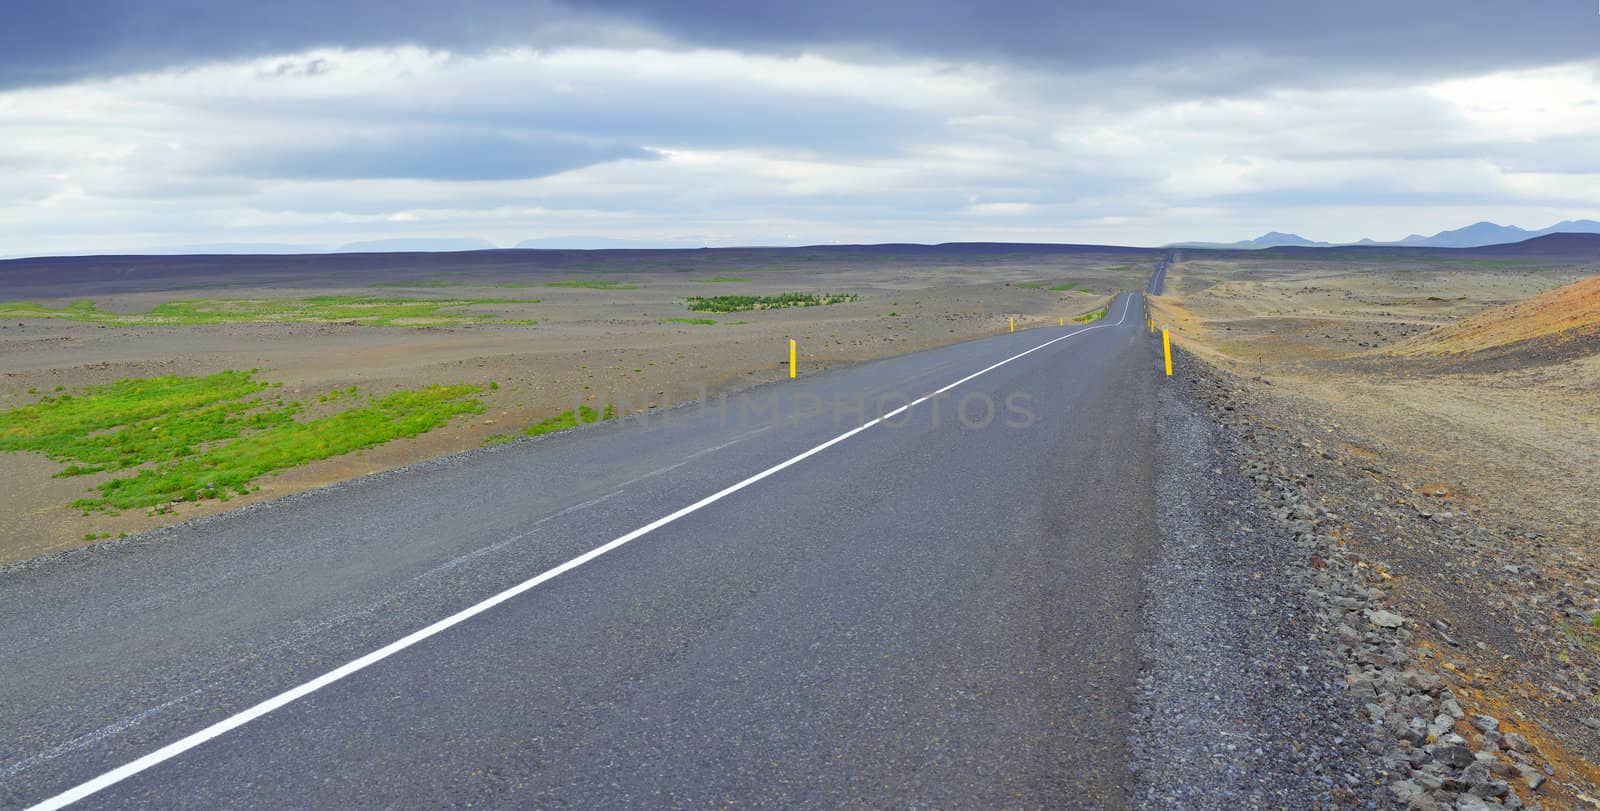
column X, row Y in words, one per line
column 1303, row 572
column 1236, row 710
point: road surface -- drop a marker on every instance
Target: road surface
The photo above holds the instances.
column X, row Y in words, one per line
column 936, row 609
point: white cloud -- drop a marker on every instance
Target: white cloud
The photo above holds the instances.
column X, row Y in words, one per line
column 1003, row 209
column 747, row 146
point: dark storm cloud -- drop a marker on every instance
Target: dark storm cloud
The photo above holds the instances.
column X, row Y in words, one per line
column 49, row 42
column 430, row 156
column 52, row 41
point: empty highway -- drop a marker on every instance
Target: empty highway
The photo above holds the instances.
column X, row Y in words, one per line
column 777, row 599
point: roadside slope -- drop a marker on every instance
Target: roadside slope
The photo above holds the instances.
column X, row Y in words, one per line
column 1561, row 324
column 1453, row 472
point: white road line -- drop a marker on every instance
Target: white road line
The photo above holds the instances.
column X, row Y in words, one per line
column 239, row 719
column 108, row 730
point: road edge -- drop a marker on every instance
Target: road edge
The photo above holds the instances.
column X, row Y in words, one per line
column 1233, row 707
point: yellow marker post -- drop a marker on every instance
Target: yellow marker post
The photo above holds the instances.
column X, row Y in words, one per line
column 1166, row 349
column 1062, row 321
column 791, row 358
column 1013, row 324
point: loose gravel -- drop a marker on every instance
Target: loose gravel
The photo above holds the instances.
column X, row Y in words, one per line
column 1236, row 710
column 1280, row 670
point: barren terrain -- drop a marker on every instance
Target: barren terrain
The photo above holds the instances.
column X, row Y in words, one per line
column 1450, row 412
column 604, row 331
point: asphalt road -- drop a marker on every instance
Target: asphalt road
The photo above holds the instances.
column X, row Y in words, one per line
column 933, row 610
column 1158, row 279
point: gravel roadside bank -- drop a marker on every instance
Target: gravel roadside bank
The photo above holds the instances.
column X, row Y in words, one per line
column 1274, row 616
column 1236, row 710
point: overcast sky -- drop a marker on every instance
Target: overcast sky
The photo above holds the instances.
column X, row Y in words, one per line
column 127, row 126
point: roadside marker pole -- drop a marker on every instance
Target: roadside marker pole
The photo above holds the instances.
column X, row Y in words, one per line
column 791, row 359
column 1166, row 349
column 1062, row 321
column 1013, row 324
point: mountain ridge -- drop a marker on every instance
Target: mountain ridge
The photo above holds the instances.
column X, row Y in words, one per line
column 1476, row 235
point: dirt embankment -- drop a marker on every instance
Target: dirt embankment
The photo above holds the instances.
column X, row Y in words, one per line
column 1560, row 325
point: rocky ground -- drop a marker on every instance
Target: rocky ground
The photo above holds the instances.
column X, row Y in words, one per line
column 1236, row 711
column 1467, row 656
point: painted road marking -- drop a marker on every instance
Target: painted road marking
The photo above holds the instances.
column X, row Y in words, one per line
column 243, row 717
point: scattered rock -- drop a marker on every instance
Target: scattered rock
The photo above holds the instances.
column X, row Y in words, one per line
column 1532, row 777
column 1425, row 763
column 1512, row 742
column 1385, row 619
column 1456, row 756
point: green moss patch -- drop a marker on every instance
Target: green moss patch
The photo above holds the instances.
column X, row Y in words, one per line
column 192, row 438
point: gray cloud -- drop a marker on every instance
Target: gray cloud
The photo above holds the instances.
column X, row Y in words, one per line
column 934, row 121
column 52, row 42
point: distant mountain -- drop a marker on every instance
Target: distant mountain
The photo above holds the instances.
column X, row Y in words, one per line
column 416, row 244
column 1473, row 236
column 1271, row 239
column 601, row 243
column 1488, row 233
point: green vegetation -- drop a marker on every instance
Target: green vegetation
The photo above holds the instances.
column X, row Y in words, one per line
column 591, row 284
column 231, row 467
column 333, row 396
column 131, row 422
column 369, row 310
column 1121, row 268
column 733, row 304
column 689, row 321
column 1047, row 286
column 416, row 284
column 203, row 437
column 559, row 422
column 568, row 419
column 721, row 279
column 1094, row 316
